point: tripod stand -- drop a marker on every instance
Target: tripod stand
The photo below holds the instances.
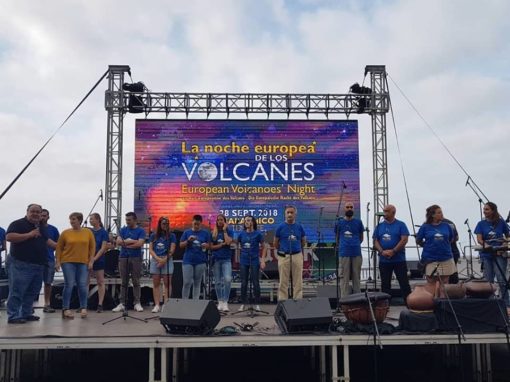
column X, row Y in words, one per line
column 252, row 312
column 125, row 313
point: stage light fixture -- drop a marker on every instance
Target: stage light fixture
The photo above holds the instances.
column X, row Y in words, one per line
column 135, row 102
column 363, row 102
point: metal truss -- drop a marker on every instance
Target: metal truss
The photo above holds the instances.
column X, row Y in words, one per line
column 117, row 103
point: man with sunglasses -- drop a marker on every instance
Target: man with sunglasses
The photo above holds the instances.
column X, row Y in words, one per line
column 349, row 234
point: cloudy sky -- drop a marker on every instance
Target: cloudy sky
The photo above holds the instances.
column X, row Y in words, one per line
column 451, row 58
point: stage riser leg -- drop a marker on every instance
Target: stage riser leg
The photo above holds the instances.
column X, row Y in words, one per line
column 334, row 363
column 322, row 364
column 175, row 365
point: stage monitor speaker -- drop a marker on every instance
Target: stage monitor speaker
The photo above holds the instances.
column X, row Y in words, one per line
column 306, row 315
column 198, row 317
column 475, row 315
column 328, row 291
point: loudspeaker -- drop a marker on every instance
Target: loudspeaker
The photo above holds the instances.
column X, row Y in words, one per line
column 56, row 297
column 307, row 315
column 189, row 316
column 475, row 315
column 328, row 291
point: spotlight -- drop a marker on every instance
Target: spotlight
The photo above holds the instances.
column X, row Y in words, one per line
column 135, row 103
column 363, row 102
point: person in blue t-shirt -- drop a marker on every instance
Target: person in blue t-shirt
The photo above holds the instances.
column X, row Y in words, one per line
column 49, row 270
column 131, row 240
column 349, row 234
column 97, row 263
column 195, row 242
column 436, row 236
column 251, row 243
column 222, row 236
column 289, row 241
column 3, row 244
column 162, row 248
column 492, row 232
column 390, row 239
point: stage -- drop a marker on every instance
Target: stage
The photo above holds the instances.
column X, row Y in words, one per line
column 168, row 356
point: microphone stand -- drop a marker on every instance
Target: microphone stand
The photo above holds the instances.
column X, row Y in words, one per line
column 477, row 192
column 207, row 293
column 291, row 279
column 321, row 260
column 367, row 229
column 337, row 247
column 471, row 271
column 460, row 331
column 377, row 336
column 100, row 196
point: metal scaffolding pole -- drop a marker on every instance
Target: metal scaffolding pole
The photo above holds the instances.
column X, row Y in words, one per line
column 115, row 106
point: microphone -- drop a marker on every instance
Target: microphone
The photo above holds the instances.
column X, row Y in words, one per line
column 508, row 217
column 344, row 184
column 434, row 271
column 467, row 220
column 101, row 194
column 467, row 180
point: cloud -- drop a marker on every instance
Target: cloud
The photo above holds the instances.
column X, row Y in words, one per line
column 451, row 61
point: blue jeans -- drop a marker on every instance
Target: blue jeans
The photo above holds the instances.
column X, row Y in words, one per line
column 491, row 269
column 25, row 280
column 222, row 270
column 254, row 275
column 75, row 274
column 192, row 275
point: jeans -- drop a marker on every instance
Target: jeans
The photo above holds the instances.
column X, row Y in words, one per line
column 75, row 274
column 222, row 270
column 192, row 275
column 25, row 280
column 386, row 270
column 491, row 269
column 130, row 266
column 245, row 273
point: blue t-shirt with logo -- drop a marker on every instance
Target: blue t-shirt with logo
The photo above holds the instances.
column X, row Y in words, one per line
column 161, row 245
column 389, row 235
column 136, row 233
column 491, row 231
column 250, row 243
column 290, row 236
column 437, row 239
column 100, row 235
column 194, row 254
column 224, row 253
column 349, row 232
column 53, row 234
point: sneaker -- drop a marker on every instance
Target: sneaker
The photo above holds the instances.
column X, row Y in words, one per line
column 241, row 308
column 220, row 306
column 99, row 309
column 118, row 308
column 156, row 309
column 225, row 306
column 138, row 307
column 257, row 308
column 17, row 321
column 48, row 309
column 32, row 318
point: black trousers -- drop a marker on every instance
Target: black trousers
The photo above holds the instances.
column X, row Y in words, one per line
column 386, row 270
column 254, row 274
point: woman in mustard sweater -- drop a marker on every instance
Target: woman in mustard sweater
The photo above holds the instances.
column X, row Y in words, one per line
column 75, row 248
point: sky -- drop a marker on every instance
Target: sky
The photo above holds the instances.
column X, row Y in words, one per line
column 450, row 58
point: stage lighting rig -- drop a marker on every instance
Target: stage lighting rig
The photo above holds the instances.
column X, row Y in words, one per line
column 135, row 103
column 362, row 102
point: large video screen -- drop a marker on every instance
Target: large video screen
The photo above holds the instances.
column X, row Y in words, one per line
column 240, row 167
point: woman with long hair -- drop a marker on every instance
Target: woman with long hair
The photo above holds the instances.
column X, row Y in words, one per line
column 97, row 263
column 222, row 256
column 436, row 236
column 251, row 242
column 161, row 249
column 75, row 249
column 492, row 232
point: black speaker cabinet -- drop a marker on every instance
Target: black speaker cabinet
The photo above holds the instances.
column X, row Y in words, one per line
column 307, row 315
column 198, row 317
column 328, row 291
column 475, row 315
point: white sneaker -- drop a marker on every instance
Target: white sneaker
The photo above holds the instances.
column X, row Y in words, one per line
column 220, row 306
column 225, row 306
column 118, row 308
column 138, row 307
column 257, row 308
column 156, row 309
column 241, row 308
